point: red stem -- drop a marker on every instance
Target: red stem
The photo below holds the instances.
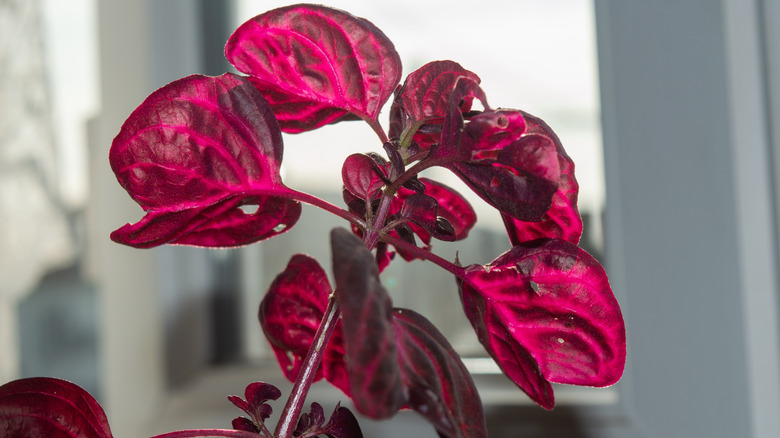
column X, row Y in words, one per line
column 292, row 410
column 456, row 270
column 325, row 205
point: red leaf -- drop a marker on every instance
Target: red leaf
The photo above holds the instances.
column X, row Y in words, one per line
column 424, row 98
column 43, row 407
column 545, row 312
column 363, row 176
column 395, row 357
column 316, row 64
column 372, row 364
column 439, row 386
column 563, row 219
column 291, row 311
column 192, row 154
column 452, row 206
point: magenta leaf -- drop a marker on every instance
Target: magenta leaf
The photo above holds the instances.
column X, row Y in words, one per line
column 562, row 220
column 316, row 65
column 291, row 311
column 192, row 154
column 424, row 98
column 395, row 357
column 43, row 407
column 254, row 404
column 546, row 313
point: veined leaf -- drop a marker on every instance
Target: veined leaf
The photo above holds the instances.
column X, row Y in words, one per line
column 546, row 313
column 43, row 407
column 316, row 64
column 192, row 154
column 395, row 357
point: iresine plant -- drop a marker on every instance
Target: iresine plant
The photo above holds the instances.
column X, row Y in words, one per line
column 202, row 157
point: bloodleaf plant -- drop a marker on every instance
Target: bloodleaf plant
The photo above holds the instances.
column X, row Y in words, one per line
column 201, row 149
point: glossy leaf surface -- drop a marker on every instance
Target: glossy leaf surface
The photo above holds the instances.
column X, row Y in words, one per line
column 316, row 64
column 192, row 154
column 563, row 219
column 43, row 407
column 395, row 357
column 545, row 311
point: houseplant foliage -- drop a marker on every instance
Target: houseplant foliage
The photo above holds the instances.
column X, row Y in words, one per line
column 202, row 157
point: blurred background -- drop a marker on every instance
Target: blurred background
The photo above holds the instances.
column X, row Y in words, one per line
column 669, row 110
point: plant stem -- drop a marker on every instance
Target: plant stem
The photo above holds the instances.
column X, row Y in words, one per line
column 377, row 127
column 292, row 410
column 456, row 270
column 325, row 205
column 372, row 232
column 294, row 406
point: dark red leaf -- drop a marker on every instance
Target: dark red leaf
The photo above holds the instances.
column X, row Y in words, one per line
column 245, row 424
column 291, row 311
column 452, row 206
column 422, row 210
column 514, row 171
column 563, row 219
column 43, row 407
column 395, row 357
column 192, row 154
column 546, row 313
column 455, row 216
column 316, row 64
column 452, row 144
column 256, row 395
column 342, row 424
column 363, row 176
column 438, row 384
column 424, row 98
column 372, row 364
